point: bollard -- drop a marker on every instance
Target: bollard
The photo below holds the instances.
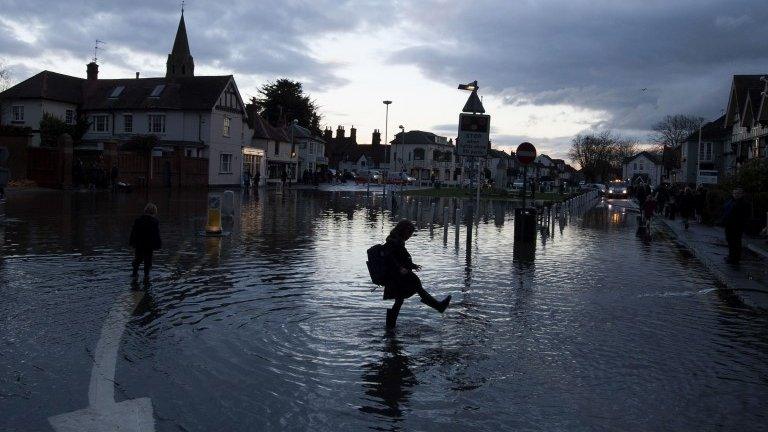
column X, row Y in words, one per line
column 457, row 222
column 228, row 204
column 434, row 214
column 445, row 221
column 213, row 226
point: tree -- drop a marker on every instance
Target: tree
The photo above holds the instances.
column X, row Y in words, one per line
column 673, row 130
column 52, row 127
column 5, row 77
column 283, row 101
column 601, row 155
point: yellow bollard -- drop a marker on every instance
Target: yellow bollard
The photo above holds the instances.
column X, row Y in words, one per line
column 214, row 215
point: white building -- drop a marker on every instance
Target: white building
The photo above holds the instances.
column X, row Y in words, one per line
column 424, row 156
column 203, row 116
column 643, row 167
column 280, row 154
column 311, row 150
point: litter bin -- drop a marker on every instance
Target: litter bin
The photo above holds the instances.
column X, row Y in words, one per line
column 525, row 224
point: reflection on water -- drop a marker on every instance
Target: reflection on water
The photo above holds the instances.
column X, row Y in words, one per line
column 275, row 327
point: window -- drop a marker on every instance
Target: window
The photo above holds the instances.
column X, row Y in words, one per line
column 311, row 148
column 157, row 90
column 642, row 167
column 69, row 116
column 156, row 123
column 418, row 154
column 128, row 123
column 225, row 163
column 17, row 113
column 277, row 147
column 705, row 152
column 634, row 166
column 116, row 92
column 100, row 123
column 227, row 121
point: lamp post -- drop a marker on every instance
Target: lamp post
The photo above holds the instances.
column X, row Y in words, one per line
column 387, row 153
column 402, row 141
column 293, row 146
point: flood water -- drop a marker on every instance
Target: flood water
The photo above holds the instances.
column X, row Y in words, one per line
column 276, row 328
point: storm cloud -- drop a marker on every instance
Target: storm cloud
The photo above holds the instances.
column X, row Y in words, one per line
column 635, row 60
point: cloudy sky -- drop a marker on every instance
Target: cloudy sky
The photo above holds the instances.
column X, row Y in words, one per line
column 547, row 69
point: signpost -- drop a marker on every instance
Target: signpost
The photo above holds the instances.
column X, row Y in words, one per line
column 526, row 154
column 525, row 220
column 473, row 135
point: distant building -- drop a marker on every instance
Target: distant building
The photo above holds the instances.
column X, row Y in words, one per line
column 346, row 154
column 643, row 167
column 703, row 158
column 311, row 150
column 424, row 156
column 198, row 116
column 279, row 152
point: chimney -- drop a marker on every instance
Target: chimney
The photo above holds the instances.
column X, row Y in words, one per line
column 137, row 75
column 376, row 138
column 92, row 71
column 328, row 134
column 339, row 132
column 353, row 134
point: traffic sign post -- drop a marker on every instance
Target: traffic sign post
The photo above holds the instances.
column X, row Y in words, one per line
column 526, row 154
column 473, row 135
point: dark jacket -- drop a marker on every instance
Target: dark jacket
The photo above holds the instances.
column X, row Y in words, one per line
column 400, row 285
column 145, row 234
column 735, row 215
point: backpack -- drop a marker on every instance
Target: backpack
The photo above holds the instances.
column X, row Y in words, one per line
column 378, row 264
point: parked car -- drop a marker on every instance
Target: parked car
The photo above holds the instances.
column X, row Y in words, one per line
column 594, row 186
column 368, row 176
column 618, row 189
column 400, row 177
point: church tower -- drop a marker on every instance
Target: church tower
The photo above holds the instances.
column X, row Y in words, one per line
column 180, row 63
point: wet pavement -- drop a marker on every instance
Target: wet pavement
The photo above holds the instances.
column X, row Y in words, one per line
column 276, row 327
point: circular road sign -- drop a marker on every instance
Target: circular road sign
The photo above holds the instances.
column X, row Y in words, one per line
column 526, row 153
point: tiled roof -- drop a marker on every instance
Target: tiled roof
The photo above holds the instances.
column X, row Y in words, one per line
column 415, row 137
column 652, row 157
column 48, row 85
column 180, row 93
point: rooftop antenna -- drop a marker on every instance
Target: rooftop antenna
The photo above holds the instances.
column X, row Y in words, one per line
column 96, row 49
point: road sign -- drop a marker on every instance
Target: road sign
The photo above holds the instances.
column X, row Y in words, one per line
column 525, row 153
column 473, row 135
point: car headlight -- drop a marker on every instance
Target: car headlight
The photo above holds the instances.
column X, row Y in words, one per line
column 624, row 190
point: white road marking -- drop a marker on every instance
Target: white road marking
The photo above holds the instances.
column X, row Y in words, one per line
column 103, row 414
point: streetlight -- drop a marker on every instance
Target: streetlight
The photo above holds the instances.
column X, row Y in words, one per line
column 293, row 146
column 387, row 154
column 402, row 140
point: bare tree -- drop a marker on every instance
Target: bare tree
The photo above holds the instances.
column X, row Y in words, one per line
column 5, row 76
column 673, row 130
column 601, row 155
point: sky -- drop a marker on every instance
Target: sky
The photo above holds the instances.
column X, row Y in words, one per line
column 547, row 69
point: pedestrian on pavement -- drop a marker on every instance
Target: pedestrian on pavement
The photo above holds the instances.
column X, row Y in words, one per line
column 403, row 282
column 686, row 205
column 640, row 194
column 700, row 202
column 113, row 177
column 256, row 178
column 662, row 196
column 145, row 239
column 735, row 216
column 284, row 178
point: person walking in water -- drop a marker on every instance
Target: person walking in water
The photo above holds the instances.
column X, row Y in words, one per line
column 403, row 282
column 145, row 239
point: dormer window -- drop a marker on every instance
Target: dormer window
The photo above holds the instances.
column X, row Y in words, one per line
column 116, row 92
column 157, row 90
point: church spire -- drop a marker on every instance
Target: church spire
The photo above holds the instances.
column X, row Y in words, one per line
column 180, row 62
